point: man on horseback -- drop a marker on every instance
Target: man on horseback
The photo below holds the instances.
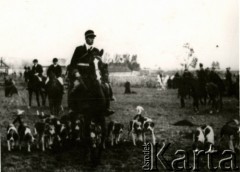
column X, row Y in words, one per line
column 229, row 83
column 55, row 69
column 85, row 74
column 35, row 82
column 88, row 92
column 37, row 69
column 202, row 79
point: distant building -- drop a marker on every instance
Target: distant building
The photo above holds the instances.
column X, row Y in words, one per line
column 3, row 67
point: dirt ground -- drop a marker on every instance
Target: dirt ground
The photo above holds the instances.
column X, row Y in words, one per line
column 162, row 106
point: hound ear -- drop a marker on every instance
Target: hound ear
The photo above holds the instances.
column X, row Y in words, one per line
column 101, row 52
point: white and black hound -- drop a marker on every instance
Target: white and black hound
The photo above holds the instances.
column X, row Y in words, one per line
column 140, row 125
column 12, row 136
column 231, row 131
column 115, row 131
column 203, row 137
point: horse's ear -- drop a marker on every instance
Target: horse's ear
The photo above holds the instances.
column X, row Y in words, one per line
column 101, row 52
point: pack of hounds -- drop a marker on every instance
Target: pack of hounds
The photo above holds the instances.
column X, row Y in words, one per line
column 50, row 131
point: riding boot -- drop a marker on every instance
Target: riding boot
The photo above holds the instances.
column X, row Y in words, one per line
column 106, row 94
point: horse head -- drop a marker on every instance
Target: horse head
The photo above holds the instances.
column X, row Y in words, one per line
column 96, row 54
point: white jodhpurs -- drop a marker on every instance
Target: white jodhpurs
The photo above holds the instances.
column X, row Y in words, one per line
column 59, row 79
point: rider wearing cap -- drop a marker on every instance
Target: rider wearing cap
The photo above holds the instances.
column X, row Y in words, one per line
column 37, row 69
column 83, row 70
column 56, row 69
column 81, row 63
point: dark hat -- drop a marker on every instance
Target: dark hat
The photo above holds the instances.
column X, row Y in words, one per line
column 35, row 60
column 55, row 60
column 228, row 68
column 201, row 65
column 90, row 33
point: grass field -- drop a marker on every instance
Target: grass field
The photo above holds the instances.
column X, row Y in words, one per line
column 162, row 106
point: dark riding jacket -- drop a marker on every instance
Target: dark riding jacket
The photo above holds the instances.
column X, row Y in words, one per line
column 37, row 69
column 228, row 76
column 202, row 77
column 215, row 78
column 83, row 62
column 57, row 70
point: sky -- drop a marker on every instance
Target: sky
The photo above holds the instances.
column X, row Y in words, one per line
column 155, row 30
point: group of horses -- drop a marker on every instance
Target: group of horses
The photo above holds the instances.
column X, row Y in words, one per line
column 209, row 92
column 84, row 102
column 52, row 90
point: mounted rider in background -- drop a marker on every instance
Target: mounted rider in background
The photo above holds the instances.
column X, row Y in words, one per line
column 55, row 69
column 37, row 70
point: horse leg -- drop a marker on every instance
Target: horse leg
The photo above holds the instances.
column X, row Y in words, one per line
column 103, row 126
column 196, row 101
column 37, row 98
column 182, row 101
column 43, row 98
column 220, row 102
column 213, row 99
column 86, row 136
column 59, row 106
column 30, row 98
column 51, row 106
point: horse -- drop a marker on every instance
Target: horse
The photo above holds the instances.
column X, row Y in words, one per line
column 34, row 85
column 215, row 90
column 89, row 99
column 189, row 86
column 55, row 94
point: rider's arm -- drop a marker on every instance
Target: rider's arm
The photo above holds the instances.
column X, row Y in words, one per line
column 59, row 71
column 48, row 70
column 40, row 70
column 73, row 63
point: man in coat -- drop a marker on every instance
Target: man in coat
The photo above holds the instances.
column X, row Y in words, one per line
column 82, row 70
column 37, row 69
column 229, row 82
column 202, row 79
column 56, row 69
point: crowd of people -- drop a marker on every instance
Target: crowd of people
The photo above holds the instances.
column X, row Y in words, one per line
column 205, row 84
column 81, row 71
column 228, row 80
